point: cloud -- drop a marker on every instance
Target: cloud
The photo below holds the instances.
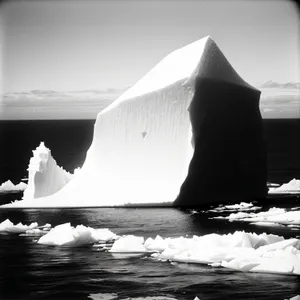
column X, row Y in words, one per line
column 49, row 104
column 288, row 85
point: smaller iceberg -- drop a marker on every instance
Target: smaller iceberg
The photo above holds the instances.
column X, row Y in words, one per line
column 241, row 251
column 129, row 244
column 8, row 186
column 45, row 176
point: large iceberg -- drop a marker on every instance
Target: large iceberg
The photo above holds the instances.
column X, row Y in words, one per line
column 189, row 130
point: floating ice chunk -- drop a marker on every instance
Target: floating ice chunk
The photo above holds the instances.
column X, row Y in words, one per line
column 243, row 206
column 238, row 206
column 273, row 217
column 129, row 244
column 158, row 244
column 5, row 224
column 281, row 245
column 295, row 298
column 102, row 235
column 243, row 251
column 45, row 176
column 279, row 266
column 282, row 257
column 247, row 252
column 8, row 226
column 241, row 264
column 67, row 235
column 267, row 224
column 272, row 184
column 239, row 215
column 8, row 186
column 103, row 296
column 33, row 232
column 292, row 187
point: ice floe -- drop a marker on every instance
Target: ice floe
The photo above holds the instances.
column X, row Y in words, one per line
column 243, row 206
column 129, row 243
column 8, row 186
column 8, row 226
column 67, row 235
column 272, row 217
column 240, row 251
column 292, row 187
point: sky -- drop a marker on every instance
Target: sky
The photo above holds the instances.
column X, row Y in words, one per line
column 108, row 44
column 76, row 45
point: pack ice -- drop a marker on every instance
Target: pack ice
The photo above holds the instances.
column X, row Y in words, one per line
column 190, row 130
column 241, row 251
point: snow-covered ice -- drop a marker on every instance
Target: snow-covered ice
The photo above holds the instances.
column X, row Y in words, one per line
column 45, row 176
column 8, row 186
column 130, row 244
column 274, row 217
column 67, row 235
column 291, row 187
column 243, row 206
column 242, row 251
column 9, row 227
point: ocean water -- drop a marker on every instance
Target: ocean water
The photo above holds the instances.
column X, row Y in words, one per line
column 32, row 271
column 70, row 139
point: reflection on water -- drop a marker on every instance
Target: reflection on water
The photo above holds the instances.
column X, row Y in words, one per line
column 29, row 270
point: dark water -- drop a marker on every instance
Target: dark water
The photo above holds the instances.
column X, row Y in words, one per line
column 30, row 271
column 69, row 140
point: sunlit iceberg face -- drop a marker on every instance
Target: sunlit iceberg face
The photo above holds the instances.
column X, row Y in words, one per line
column 151, row 139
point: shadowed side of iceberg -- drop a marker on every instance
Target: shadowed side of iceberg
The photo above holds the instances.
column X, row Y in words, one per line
column 229, row 161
